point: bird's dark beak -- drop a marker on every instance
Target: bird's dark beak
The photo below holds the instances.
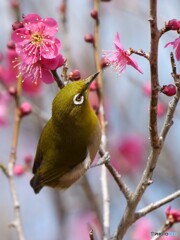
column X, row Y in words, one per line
column 88, row 81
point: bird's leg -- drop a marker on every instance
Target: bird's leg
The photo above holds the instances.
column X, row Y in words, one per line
column 104, row 158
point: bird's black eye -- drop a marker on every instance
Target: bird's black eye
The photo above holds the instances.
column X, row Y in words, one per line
column 78, row 99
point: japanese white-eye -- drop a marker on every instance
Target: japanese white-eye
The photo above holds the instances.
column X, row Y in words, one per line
column 70, row 139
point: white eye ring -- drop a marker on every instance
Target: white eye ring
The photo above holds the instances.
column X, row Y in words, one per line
column 78, row 99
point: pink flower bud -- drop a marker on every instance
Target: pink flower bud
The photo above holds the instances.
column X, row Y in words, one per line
column 17, row 25
column 169, row 90
column 94, row 14
column 104, row 63
column 18, row 170
column 28, row 159
column 62, row 8
column 11, row 45
column 25, row 109
column 173, row 215
column 12, row 91
column 75, row 75
column 161, row 109
column 173, row 24
column 14, row 4
column 89, row 38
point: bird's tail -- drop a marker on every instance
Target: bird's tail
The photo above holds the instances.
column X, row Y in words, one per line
column 35, row 184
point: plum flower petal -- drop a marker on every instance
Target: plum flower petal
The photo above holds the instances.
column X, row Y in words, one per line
column 53, row 63
column 36, row 39
column 176, row 46
column 120, row 58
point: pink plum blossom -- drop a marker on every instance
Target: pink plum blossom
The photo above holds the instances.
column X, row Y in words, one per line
column 120, row 58
column 41, row 70
column 36, row 39
column 176, row 46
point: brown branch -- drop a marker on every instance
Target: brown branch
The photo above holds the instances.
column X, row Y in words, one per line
column 118, row 179
column 57, row 79
column 104, row 182
column 129, row 216
column 153, row 206
column 17, row 224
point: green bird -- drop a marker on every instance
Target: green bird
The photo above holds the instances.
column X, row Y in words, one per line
column 70, row 139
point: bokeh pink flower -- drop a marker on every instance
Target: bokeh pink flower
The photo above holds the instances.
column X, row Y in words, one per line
column 120, row 58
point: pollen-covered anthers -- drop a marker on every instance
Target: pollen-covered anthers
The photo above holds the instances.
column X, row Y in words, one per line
column 37, row 39
column 32, row 72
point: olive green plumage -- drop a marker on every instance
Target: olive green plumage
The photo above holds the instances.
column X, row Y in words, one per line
column 69, row 140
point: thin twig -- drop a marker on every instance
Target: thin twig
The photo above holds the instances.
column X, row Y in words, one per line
column 162, row 230
column 153, row 206
column 118, row 179
column 105, row 193
column 57, row 79
column 91, row 236
column 17, row 224
column 140, row 53
column 4, row 170
column 91, row 197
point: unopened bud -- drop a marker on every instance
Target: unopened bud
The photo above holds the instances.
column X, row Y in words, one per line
column 18, row 170
column 104, row 63
column 28, row 159
column 62, row 8
column 12, row 91
column 169, row 90
column 14, row 4
column 17, row 25
column 94, row 14
column 75, row 75
column 11, row 45
column 89, row 38
column 25, row 109
column 173, row 24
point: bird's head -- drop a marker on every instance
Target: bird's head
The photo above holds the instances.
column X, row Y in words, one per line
column 72, row 100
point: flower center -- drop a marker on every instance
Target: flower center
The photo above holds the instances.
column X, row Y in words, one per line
column 37, row 39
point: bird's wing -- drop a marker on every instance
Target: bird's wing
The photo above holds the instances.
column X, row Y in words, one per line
column 38, row 159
